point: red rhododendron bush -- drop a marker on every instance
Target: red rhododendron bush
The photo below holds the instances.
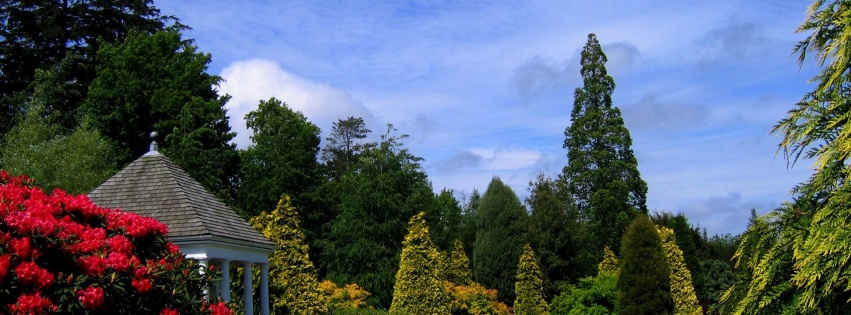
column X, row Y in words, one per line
column 60, row 253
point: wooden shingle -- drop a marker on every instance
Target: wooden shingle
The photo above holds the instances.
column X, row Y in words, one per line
column 154, row 186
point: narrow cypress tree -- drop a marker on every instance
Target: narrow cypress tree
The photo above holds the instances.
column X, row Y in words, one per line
column 501, row 229
column 529, row 286
column 418, row 288
column 644, row 282
column 682, row 289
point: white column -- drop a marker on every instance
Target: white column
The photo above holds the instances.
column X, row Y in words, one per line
column 225, row 286
column 264, row 289
column 246, row 294
column 202, row 264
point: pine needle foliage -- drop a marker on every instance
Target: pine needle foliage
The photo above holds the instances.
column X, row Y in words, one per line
column 529, row 286
column 682, row 290
column 644, row 279
column 418, row 288
column 796, row 259
column 293, row 286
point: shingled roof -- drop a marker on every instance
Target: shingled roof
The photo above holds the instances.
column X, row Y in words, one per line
column 154, row 186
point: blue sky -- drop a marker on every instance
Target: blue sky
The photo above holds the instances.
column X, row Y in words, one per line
column 485, row 88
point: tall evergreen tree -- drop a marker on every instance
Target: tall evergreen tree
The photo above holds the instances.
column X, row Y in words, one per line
column 529, row 286
column 644, row 279
column 557, row 234
column 159, row 83
column 293, row 285
column 418, row 288
column 602, row 172
column 501, row 233
column 280, row 160
column 468, row 221
column 39, row 34
column 386, row 187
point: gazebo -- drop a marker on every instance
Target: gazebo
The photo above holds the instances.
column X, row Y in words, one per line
column 202, row 226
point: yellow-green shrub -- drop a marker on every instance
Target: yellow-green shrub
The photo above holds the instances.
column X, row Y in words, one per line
column 529, row 286
column 682, row 290
column 418, row 289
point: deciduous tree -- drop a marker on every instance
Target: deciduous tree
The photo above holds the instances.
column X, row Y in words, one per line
column 158, row 82
column 385, row 189
column 558, row 235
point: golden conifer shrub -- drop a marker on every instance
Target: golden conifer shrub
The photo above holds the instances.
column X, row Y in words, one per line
column 529, row 286
column 458, row 266
column 682, row 290
column 609, row 264
column 418, row 288
column 293, row 286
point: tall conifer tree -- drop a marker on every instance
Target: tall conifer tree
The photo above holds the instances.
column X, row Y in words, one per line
column 602, row 172
column 501, row 230
column 644, row 279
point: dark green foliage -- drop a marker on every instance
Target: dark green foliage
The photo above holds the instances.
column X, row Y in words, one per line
column 718, row 276
column 445, row 220
column 644, row 282
column 75, row 160
column 384, row 189
column 602, row 172
column 345, row 146
column 557, row 235
column 280, row 160
column 501, row 232
column 468, row 221
column 159, row 83
column 39, row 34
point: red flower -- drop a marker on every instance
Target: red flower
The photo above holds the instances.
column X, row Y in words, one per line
column 220, row 309
column 21, row 247
column 5, row 261
column 172, row 249
column 120, row 244
column 91, row 297
column 32, row 275
column 169, row 311
column 92, row 265
column 118, row 261
column 32, row 304
column 142, row 285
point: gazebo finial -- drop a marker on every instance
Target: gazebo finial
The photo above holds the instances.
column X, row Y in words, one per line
column 154, row 146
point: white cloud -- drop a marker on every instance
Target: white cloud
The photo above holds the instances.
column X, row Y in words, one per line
column 249, row 81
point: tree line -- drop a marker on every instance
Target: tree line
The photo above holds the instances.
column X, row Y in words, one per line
column 81, row 94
